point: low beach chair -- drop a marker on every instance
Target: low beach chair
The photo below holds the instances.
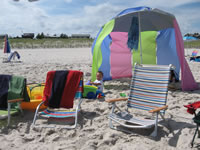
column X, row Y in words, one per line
column 12, row 90
column 11, row 57
column 61, row 88
column 191, row 108
column 148, row 92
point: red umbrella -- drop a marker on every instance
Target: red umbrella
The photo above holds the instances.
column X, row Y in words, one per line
column 6, row 45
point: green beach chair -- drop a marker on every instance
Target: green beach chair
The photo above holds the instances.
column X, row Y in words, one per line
column 12, row 90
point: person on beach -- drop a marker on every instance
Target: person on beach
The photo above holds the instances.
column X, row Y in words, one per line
column 98, row 83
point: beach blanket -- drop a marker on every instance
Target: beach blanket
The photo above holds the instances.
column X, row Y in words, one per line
column 61, row 87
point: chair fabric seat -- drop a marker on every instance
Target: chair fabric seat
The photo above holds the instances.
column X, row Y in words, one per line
column 136, row 122
column 149, row 87
column 58, row 113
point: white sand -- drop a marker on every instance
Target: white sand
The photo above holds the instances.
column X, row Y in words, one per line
column 93, row 131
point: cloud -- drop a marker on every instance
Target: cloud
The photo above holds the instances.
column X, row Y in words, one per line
column 82, row 16
column 68, row 1
column 27, row 0
column 22, row 16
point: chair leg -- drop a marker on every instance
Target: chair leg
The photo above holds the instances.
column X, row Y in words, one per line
column 76, row 118
column 35, row 116
column 8, row 114
column 19, row 105
column 192, row 142
column 110, row 120
column 110, row 124
column 154, row 133
column 36, row 112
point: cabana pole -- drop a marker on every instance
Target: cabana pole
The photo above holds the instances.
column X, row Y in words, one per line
column 140, row 37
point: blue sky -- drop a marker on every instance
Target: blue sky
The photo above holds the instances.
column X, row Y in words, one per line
column 85, row 16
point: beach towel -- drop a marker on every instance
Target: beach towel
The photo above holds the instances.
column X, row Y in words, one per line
column 12, row 87
column 4, row 86
column 17, row 88
column 60, row 88
column 133, row 34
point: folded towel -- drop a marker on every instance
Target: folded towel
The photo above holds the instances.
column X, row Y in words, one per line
column 133, row 34
column 4, row 86
column 17, row 88
column 71, row 87
column 12, row 87
column 57, row 89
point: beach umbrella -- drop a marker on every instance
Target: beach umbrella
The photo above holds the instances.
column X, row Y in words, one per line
column 194, row 53
column 143, row 35
column 6, row 45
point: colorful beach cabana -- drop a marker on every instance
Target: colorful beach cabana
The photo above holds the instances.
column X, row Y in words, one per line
column 143, row 35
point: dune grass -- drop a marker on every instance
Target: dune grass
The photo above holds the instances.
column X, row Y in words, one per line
column 66, row 43
column 192, row 44
column 48, row 43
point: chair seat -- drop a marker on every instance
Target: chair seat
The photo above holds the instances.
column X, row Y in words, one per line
column 4, row 113
column 58, row 113
column 132, row 122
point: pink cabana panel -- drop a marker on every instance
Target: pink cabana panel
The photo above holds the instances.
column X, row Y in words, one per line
column 120, row 56
column 187, row 79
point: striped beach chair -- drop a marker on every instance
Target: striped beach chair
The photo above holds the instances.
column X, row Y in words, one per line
column 57, row 95
column 148, row 92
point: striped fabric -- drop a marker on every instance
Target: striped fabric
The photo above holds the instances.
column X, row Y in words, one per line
column 79, row 91
column 58, row 113
column 149, row 87
column 63, row 113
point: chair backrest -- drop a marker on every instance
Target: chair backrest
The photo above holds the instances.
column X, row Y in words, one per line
column 79, row 92
column 149, row 87
column 61, row 88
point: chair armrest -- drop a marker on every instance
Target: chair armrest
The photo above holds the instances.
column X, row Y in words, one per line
column 15, row 100
column 115, row 100
column 158, row 109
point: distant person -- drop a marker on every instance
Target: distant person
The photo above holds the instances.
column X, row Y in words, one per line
column 195, row 58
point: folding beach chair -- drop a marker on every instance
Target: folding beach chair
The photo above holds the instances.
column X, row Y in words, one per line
column 148, row 92
column 12, row 90
column 61, row 88
column 191, row 108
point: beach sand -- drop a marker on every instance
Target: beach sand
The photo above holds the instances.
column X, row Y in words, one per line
column 93, row 131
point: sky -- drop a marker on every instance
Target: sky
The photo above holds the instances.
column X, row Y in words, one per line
column 85, row 16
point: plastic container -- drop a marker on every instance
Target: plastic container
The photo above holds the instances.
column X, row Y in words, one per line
column 35, row 92
column 89, row 91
